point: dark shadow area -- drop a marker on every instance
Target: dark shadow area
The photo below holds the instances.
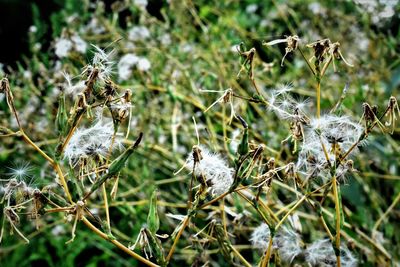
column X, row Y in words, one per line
column 15, row 19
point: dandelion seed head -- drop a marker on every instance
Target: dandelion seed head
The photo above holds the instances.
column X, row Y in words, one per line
column 140, row 3
column 286, row 241
column 165, row 39
column 20, row 171
column 302, row 105
column 93, row 141
column 214, row 169
column 321, row 253
column 79, row 44
column 283, row 89
column 63, row 47
column 128, row 61
column 288, row 244
column 235, row 48
column 138, row 33
column 251, row 8
column 143, row 64
column 58, row 230
column 102, row 62
column 327, row 131
column 125, row 65
column 94, row 27
column 260, row 237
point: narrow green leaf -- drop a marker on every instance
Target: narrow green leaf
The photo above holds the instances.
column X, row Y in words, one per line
column 62, row 117
column 243, row 147
column 115, row 166
column 153, row 220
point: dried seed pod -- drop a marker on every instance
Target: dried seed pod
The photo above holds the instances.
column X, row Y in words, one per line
column 292, row 43
column 321, row 48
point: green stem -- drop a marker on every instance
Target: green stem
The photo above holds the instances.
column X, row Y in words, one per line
column 268, row 253
column 318, row 99
column 337, row 209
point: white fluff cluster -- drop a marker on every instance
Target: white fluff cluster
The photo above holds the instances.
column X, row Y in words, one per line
column 332, row 132
column 17, row 186
column 260, row 237
column 64, row 46
column 70, row 88
column 93, row 141
column 284, row 105
column 214, row 169
column 93, row 27
column 286, row 241
column 380, row 10
column 140, row 3
column 288, row 244
column 101, row 61
column 321, row 253
column 128, row 61
column 138, row 33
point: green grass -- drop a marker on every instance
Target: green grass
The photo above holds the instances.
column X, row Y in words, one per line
column 199, row 56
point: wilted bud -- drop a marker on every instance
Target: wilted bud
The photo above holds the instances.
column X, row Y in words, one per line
column 292, row 42
column 117, row 165
column 196, row 152
column 246, row 60
column 243, row 147
column 4, row 85
column 321, row 48
column 127, row 95
column 271, row 164
column 153, row 221
column 62, row 117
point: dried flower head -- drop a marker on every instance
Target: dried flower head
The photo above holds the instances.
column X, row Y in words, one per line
column 101, row 62
column 292, row 43
column 321, row 253
column 286, row 241
column 93, row 141
column 213, row 168
column 321, row 48
column 325, row 141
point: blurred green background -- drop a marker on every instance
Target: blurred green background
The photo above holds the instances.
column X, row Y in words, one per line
column 191, row 47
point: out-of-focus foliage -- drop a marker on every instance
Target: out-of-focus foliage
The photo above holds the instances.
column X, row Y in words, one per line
column 168, row 54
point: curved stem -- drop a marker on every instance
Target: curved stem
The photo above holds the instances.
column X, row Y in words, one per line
column 305, row 59
column 32, row 144
column 326, row 227
column 51, row 161
column 255, row 86
column 257, row 208
column 304, row 197
column 117, row 244
column 214, row 200
column 384, row 215
column 241, row 258
column 290, row 211
column 70, row 134
column 171, row 251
